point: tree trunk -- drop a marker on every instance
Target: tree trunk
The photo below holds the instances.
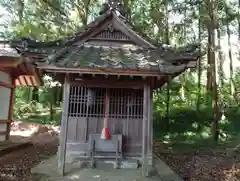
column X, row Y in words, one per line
column 52, row 102
column 83, row 10
column 229, row 52
column 35, row 95
column 199, row 62
column 209, row 68
column 211, row 60
column 238, row 20
column 167, row 41
column 182, row 77
column 20, row 9
column 220, row 59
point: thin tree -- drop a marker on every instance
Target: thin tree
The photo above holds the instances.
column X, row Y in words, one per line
column 200, row 60
column 229, row 50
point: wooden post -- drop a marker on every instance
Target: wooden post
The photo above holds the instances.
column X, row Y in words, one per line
column 145, row 131
column 150, row 128
column 10, row 111
column 64, row 128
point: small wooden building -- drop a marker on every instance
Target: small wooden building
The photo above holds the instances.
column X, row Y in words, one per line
column 13, row 72
column 109, row 70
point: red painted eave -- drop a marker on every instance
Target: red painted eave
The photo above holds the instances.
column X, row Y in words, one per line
column 27, row 80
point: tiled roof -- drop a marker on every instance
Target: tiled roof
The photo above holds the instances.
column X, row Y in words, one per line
column 127, row 57
column 66, row 53
column 7, row 51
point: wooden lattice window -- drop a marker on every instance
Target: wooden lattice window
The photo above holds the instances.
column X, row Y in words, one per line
column 89, row 102
column 86, row 102
column 111, row 35
column 126, row 103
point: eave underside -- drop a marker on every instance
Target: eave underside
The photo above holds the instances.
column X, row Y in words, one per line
column 114, row 80
column 24, row 74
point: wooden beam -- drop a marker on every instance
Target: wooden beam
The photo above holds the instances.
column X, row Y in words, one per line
column 10, row 111
column 5, row 69
column 10, row 62
column 109, row 71
column 110, row 83
column 64, row 127
column 7, row 85
column 5, row 121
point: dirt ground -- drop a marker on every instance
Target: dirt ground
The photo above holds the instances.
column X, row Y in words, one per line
column 17, row 165
column 191, row 166
column 202, row 165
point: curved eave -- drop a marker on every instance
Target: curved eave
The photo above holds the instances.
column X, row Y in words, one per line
column 116, row 71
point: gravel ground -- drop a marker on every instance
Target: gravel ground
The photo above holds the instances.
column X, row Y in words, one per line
column 17, row 165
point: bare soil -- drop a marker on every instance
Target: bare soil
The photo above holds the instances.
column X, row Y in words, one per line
column 194, row 165
column 16, row 166
column 204, row 165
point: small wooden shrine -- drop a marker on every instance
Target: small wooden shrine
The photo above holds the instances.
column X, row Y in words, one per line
column 109, row 70
column 13, row 72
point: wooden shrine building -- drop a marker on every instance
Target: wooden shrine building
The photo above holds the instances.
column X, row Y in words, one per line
column 109, row 70
column 13, row 72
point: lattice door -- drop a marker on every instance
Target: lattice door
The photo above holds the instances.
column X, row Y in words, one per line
column 86, row 111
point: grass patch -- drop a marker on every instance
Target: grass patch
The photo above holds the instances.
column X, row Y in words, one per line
column 187, row 129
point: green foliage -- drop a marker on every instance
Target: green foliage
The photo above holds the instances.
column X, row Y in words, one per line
column 182, row 20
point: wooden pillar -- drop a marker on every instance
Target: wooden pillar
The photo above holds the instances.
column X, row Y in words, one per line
column 150, row 127
column 7, row 83
column 10, row 111
column 64, row 128
column 146, row 98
